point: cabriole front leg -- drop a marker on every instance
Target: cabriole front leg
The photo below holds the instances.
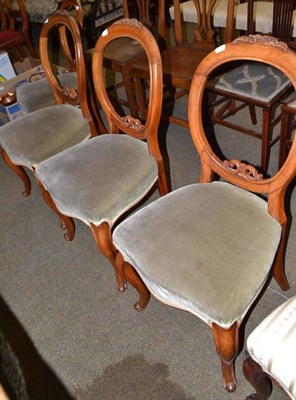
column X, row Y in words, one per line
column 134, row 279
column 226, row 342
column 103, row 238
column 19, row 170
column 65, row 222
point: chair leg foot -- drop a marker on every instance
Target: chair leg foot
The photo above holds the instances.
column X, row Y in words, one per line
column 226, row 342
column 65, row 222
column 134, row 279
column 69, row 226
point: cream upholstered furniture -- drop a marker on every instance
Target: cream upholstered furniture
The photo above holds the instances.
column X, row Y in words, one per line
column 192, row 248
column 39, row 135
column 220, row 12
column 99, row 180
column 263, row 15
column 272, row 353
column 256, row 86
column 263, row 18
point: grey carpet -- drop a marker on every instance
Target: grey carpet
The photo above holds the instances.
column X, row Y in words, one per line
column 76, row 336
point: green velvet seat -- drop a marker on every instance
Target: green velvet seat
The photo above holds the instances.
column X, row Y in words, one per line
column 43, row 133
column 103, row 185
column 35, row 95
column 98, row 180
column 189, row 261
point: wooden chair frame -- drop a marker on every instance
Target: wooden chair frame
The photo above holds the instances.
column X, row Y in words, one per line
column 274, row 187
column 149, row 132
column 62, row 95
column 270, row 51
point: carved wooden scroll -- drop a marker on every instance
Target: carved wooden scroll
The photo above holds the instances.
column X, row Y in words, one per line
column 237, row 167
column 130, row 22
column 70, row 92
column 263, row 39
column 61, row 12
column 133, row 123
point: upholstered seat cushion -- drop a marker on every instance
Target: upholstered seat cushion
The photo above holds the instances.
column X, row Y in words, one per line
column 222, row 236
column 33, row 96
column 7, row 36
column 98, row 180
column 43, row 133
column 255, row 80
column 38, row 11
column 102, row 11
column 273, row 345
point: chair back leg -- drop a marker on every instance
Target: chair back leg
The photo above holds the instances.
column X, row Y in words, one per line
column 256, row 377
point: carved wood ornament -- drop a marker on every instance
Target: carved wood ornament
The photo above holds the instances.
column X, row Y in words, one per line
column 130, row 22
column 70, row 92
column 133, row 123
column 263, row 39
column 236, row 167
